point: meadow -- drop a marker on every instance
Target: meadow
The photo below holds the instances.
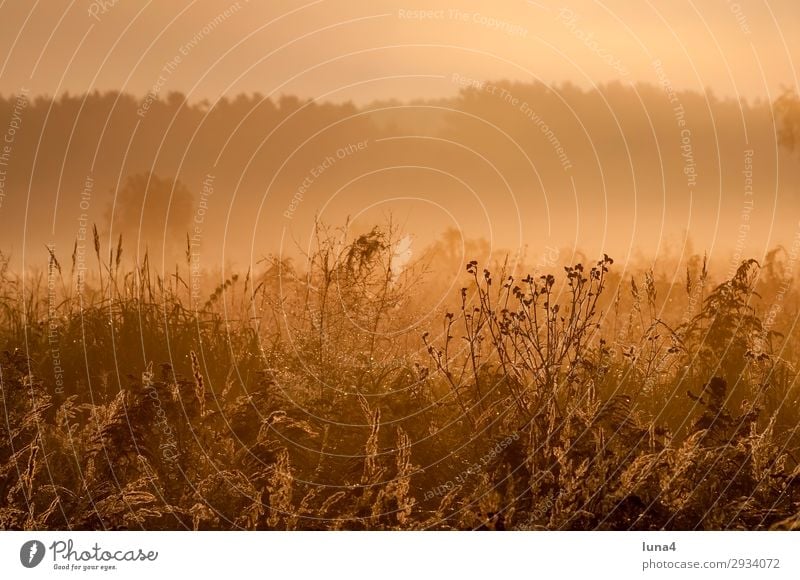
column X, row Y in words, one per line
column 339, row 392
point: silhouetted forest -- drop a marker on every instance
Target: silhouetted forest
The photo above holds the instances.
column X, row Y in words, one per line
column 513, row 152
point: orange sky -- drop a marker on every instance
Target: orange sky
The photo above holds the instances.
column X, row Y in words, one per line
column 379, row 49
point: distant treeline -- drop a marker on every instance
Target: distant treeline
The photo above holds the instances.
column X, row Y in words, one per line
column 525, row 148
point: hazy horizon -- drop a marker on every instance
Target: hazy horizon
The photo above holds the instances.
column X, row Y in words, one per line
column 608, row 127
column 515, row 164
column 383, row 49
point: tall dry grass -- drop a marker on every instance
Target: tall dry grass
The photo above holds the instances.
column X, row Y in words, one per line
column 320, row 394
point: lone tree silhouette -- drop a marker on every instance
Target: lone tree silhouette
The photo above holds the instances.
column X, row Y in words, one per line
column 787, row 107
column 152, row 212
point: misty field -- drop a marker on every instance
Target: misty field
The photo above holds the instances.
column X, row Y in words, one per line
column 333, row 392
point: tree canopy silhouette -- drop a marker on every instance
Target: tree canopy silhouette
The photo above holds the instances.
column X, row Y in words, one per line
column 152, row 211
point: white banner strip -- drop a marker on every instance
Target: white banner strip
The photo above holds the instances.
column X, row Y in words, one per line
column 400, row 555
